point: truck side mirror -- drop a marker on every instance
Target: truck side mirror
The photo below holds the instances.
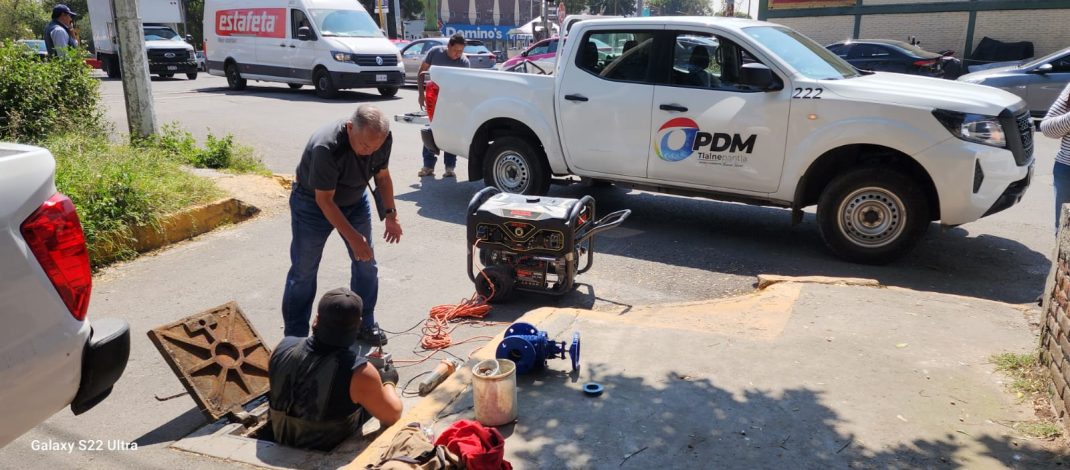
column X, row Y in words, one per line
column 304, row 33
column 499, row 56
column 758, row 76
column 189, row 38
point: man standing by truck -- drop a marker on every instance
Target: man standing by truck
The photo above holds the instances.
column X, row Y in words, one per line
column 59, row 33
column 450, row 56
column 329, row 194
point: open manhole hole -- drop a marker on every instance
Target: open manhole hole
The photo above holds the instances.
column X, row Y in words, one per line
column 223, row 364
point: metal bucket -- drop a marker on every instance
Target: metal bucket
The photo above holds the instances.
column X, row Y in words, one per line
column 494, row 391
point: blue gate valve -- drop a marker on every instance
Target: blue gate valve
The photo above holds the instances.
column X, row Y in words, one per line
column 529, row 348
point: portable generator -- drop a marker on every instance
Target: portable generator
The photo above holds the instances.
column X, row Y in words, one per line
column 531, row 243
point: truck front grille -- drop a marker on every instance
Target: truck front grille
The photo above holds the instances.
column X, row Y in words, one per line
column 371, row 60
column 168, row 56
column 1025, row 130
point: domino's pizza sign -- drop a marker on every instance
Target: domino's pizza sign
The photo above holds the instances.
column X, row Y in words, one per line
column 485, row 32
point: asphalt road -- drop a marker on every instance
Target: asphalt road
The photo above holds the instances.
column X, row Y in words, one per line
column 672, row 249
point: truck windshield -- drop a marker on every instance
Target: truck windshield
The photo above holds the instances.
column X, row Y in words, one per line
column 802, row 53
column 156, row 33
column 346, row 23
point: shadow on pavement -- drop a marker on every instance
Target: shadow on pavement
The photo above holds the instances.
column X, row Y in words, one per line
column 750, row 240
column 304, row 94
column 175, row 429
column 687, row 422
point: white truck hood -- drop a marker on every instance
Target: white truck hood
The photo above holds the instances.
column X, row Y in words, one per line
column 377, row 46
column 926, row 92
column 168, row 44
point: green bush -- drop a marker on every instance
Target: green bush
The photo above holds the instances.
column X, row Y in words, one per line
column 220, row 153
column 116, row 187
column 41, row 98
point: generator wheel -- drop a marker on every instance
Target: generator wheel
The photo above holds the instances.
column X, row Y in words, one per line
column 514, row 165
column 502, row 277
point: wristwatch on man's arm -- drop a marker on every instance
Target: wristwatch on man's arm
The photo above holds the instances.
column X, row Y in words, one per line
column 391, row 213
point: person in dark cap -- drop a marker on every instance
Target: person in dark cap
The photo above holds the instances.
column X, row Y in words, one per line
column 59, row 34
column 321, row 390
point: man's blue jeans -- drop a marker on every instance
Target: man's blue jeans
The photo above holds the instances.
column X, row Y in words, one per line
column 430, row 158
column 1061, row 176
column 310, row 231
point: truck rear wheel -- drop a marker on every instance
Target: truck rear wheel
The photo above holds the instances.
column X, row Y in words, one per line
column 191, row 76
column 111, row 66
column 234, row 80
column 872, row 215
column 388, row 91
column 513, row 165
column 324, row 85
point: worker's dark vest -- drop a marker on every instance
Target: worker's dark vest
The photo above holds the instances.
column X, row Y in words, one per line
column 309, row 399
column 48, row 37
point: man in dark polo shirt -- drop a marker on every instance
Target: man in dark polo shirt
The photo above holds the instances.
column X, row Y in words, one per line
column 321, row 390
column 330, row 194
column 452, row 55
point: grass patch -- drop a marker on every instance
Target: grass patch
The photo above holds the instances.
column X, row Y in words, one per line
column 220, row 153
column 1039, row 429
column 116, row 187
column 1027, row 376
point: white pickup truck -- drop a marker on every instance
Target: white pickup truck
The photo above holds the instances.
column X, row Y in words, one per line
column 51, row 356
column 745, row 111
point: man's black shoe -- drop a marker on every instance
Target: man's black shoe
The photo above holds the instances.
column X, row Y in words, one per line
column 373, row 335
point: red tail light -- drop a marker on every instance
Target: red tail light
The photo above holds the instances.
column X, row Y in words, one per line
column 925, row 63
column 55, row 237
column 430, row 98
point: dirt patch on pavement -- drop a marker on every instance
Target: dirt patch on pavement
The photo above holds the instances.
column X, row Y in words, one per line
column 268, row 193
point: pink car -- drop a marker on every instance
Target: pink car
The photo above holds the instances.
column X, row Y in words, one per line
column 543, row 52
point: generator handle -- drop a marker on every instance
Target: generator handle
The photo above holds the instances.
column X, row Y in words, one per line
column 612, row 220
column 481, row 197
column 574, row 213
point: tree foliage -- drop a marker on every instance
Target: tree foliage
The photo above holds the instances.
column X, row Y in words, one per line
column 680, row 7
column 611, row 7
column 23, row 19
column 39, row 98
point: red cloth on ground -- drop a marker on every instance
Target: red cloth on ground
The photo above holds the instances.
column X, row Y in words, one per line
column 480, row 448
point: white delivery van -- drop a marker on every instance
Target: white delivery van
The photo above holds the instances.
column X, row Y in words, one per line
column 330, row 44
column 168, row 53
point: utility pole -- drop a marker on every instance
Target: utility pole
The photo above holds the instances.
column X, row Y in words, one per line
column 140, row 112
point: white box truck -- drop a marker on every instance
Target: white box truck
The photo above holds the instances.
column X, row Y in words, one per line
column 168, row 52
column 330, row 44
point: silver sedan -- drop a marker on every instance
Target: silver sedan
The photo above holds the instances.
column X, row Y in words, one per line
column 413, row 55
column 1038, row 82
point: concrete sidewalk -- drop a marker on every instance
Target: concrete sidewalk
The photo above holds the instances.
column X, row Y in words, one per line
column 798, row 375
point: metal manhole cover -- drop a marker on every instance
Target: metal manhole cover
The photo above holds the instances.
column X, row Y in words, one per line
column 218, row 356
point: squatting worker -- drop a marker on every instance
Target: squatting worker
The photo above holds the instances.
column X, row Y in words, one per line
column 321, row 390
column 1057, row 126
column 452, row 55
column 59, row 34
column 329, row 195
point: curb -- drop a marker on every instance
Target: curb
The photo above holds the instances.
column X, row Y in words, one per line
column 180, row 226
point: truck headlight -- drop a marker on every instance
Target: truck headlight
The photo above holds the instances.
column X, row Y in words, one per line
column 977, row 128
column 342, row 56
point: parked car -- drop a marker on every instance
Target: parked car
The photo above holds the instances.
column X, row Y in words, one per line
column 759, row 114
column 413, row 55
column 1038, row 82
column 543, row 52
column 35, row 46
column 886, row 55
column 51, row 356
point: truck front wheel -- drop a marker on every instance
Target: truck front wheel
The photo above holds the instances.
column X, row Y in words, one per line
column 324, row 85
column 872, row 215
column 513, row 165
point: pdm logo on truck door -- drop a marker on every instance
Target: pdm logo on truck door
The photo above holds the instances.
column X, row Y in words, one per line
column 258, row 22
column 680, row 138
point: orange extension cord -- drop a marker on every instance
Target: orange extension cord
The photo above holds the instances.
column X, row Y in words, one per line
column 443, row 319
